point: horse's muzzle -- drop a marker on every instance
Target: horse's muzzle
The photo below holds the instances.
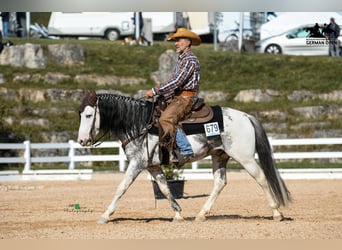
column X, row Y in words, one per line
column 85, row 143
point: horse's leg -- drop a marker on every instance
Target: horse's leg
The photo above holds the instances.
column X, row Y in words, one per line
column 219, row 160
column 159, row 177
column 133, row 170
column 256, row 172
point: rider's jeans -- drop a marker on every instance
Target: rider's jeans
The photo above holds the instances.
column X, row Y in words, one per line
column 183, row 143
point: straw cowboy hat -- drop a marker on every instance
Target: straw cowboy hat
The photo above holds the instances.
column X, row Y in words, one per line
column 185, row 33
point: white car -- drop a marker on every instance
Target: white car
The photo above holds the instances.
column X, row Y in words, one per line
column 297, row 41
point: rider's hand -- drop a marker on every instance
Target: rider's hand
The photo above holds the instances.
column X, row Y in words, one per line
column 149, row 93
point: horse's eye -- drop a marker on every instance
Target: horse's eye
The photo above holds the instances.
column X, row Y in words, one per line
column 88, row 116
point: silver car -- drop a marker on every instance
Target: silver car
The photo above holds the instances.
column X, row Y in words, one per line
column 298, row 41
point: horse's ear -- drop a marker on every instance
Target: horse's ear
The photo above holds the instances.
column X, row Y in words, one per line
column 92, row 98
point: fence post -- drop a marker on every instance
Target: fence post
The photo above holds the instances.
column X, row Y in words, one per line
column 27, row 156
column 71, row 155
column 194, row 165
column 122, row 159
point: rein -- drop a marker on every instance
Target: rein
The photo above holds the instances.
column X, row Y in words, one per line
column 96, row 142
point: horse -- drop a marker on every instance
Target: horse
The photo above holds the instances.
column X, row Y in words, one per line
column 129, row 119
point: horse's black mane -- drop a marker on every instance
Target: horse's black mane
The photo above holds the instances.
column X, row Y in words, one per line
column 123, row 116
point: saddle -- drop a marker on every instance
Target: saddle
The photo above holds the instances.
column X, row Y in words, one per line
column 200, row 113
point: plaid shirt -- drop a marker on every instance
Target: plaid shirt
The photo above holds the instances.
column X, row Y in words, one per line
column 185, row 77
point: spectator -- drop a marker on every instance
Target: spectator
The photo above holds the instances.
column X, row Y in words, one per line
column 333, row 32
column 5, row 23
column 21, row 19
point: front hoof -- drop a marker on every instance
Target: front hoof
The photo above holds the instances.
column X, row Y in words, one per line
column 102, row 220
column 200, row 219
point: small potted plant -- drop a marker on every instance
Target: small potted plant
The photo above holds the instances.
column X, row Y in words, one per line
column 175, row 181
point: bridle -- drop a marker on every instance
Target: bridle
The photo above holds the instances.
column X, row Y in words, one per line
column 95, row 142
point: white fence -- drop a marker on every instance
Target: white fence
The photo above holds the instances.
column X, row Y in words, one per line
column 71, row 158
column 27, row 159
column 301, row 155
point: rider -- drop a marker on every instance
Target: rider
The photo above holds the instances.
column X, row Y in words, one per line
column 179, row 92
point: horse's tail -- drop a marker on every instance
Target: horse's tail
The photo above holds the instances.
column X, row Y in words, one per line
column 263, row 148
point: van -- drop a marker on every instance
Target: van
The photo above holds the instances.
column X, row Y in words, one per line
column 109, row 25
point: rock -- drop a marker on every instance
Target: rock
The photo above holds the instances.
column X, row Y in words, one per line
column 67, row 54
column 37, row 78
column 308, row 125
column 132, row 81
column 272, row 114
column 35, row 122
column 96, row 79
column 310, row 111
column 33, row 56
column 11, row 56
column 274, row 126
column 334, row 111
column 57, row 136
column 108, row 80
column 54, row 78
column 28, row 55
column 272, row 92
column 301, row 95
column 8, row 94
column 166, row 65
column 252, row 95
column 76, row 96
column 9, row 120
column 335, row 95
column 2, row 79
column 212, row 96
column 57, row 95
column 332, row 133
column 21, row 77
column 32, row 95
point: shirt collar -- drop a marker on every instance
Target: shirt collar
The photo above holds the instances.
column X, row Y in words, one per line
column 184, row 54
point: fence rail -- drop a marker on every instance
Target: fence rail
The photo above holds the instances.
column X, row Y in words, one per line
column 71, row 158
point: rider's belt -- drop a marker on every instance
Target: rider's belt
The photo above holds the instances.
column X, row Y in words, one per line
column 188, row 93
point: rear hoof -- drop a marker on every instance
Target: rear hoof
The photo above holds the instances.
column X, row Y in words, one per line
column 102, row 220
column 178, row 219
column 278, row 218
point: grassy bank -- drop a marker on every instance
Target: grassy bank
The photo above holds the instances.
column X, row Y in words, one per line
column 224, row 71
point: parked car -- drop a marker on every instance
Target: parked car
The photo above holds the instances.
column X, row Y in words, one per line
column 298, row 41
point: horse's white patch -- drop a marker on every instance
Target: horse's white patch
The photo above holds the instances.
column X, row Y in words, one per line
column 86, row 124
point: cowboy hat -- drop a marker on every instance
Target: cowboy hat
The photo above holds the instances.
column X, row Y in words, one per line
column 185, row 33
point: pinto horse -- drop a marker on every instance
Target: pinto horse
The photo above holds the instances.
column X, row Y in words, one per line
column 240, row 138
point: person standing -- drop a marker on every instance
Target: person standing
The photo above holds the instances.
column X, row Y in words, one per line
column 333, row 32
column 5, row 23
column 21, row 20
column 179, row 92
